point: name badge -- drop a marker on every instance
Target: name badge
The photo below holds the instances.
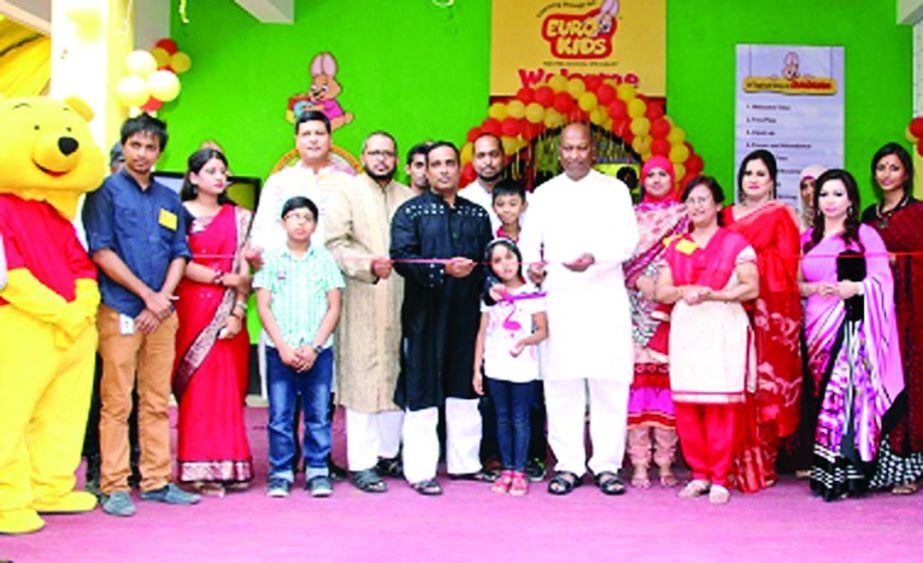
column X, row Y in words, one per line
column 167, row 219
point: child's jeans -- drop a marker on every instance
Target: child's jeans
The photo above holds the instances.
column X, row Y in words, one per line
column 512, row 402
column 283, row 385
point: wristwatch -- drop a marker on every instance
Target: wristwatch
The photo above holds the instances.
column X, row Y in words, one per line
column 317, row 348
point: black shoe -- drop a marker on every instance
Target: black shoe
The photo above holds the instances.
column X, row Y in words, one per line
column 390, row 467
column 337, row 473
column 94, row 461
column 535, row 469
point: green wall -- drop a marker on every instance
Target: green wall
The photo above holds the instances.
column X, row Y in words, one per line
column 421, row 72
column 701, row 39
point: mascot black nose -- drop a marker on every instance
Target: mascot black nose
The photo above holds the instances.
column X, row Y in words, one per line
column 67, row 145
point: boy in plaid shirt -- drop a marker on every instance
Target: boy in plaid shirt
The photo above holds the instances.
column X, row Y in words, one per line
column 298, row 292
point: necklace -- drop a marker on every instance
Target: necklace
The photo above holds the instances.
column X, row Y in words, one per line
column 885, row 216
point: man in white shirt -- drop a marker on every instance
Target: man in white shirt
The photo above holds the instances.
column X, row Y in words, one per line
column 488, row 162
column 579, row 230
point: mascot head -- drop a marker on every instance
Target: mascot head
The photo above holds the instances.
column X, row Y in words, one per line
column 47, row 152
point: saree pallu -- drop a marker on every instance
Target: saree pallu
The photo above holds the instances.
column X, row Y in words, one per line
column 649, row 401
column 772, row 412
column 210, row 376
column 854, row 366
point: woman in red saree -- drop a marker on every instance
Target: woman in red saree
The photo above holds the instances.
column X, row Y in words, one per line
column 898, row 218
column 770, row 226
column 210, row 376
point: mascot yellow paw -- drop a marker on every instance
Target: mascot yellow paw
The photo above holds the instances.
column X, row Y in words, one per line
column 75, row 501
column 20, row 522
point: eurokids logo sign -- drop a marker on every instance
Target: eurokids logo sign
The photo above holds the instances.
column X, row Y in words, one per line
column 622, row 39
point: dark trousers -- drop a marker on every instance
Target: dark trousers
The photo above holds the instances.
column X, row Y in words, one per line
column 512, row 403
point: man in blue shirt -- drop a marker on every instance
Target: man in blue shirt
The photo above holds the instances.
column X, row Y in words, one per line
column 137, row 237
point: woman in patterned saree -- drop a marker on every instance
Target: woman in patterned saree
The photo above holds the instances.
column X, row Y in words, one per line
column 651, row 416
column 851, row 335
column 771, row 228
column 212, row 347
column 899, row 221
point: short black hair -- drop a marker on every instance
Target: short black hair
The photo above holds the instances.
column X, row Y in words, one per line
column 299, row 202
column 144, row 123
column 769, row 160
column 196, row 162
column 435, row 145
column 313, row 115
column 419, row 148
column 717, row 194
column 507, row 186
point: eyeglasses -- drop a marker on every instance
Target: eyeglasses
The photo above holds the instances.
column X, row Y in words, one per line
column 698, row 200
column 381, row 154
column 299, row 218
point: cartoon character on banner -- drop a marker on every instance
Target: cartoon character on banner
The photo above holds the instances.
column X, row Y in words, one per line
column 606, row 17
column 322, row 93
column 790, row 67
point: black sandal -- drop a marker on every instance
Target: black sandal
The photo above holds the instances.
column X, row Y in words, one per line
column 390, row 467
column 429, row 488
column 564, row 482
column 610, row 483
column 368, row 481
column 481, row 476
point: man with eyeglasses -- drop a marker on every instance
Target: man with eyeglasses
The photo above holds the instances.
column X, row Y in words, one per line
column 358, row 234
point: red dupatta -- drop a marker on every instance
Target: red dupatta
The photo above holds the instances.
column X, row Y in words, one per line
column 711, row 266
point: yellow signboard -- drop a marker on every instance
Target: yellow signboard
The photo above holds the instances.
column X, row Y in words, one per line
column 532, row 39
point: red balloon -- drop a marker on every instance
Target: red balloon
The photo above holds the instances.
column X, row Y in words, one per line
column 660, row 146
column 694, row 164
column 654, row 110
column 492, row 126
column 916, row 127
column 686, row 179
column 530, row 131
column 473, row 134
column 152, row 104
column 605, row 94
column 920, row 147
column 545, row 96
column 468, row 175
column 563, row 102
column 618, row 110
column 526, row 95
column 167, row 45
column 592, row 82
column 510, row 127
column 660, row 128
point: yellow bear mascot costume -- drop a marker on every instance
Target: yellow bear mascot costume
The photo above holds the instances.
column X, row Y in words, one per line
column 47, row 309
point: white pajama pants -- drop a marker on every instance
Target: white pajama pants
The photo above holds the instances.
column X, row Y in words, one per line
column 463, row 440
column 565, row 401
column 370, row 436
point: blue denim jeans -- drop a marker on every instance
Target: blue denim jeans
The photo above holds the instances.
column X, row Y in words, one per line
column 512, row 402
column 284, row 384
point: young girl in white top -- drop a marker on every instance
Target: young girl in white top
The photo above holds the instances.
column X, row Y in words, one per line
column 505, row 352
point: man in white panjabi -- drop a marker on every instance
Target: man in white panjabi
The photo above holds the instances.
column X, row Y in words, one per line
column 358, row 233
column 488, row 162
column 579, row 230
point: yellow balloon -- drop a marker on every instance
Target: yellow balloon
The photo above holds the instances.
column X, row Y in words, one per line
column 636, row 107
column 515, row 109
column 679, row 153
column 676, row 136
column 140, row 63
column 641, row 144
column 557, row 83
column 180, row 62
column 640, row 126
column 679, row 170
column 909, row 136
column 598, row 115
column 132, row 91
column 626, row 92
column 553, row 118
column 467, row 153
column 575, row 87
column 535, row 113
column 587, row 101
column 161, row 56
column 164, row 85
column 510, row 145
column 497, row 111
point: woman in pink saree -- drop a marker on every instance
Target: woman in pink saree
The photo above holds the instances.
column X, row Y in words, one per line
column 212, row 347
column 851, row 334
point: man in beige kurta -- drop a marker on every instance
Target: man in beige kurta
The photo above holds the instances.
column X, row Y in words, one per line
column 358, row 227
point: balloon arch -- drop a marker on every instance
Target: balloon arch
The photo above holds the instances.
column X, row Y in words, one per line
column 627, row 127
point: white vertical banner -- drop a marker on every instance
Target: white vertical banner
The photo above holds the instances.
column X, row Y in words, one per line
column 789, row 101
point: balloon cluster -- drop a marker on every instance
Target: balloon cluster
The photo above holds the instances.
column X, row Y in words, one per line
column 914, row 133
column 619, row 108
column 152, row 76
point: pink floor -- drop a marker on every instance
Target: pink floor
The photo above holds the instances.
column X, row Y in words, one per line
column 470, row 523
